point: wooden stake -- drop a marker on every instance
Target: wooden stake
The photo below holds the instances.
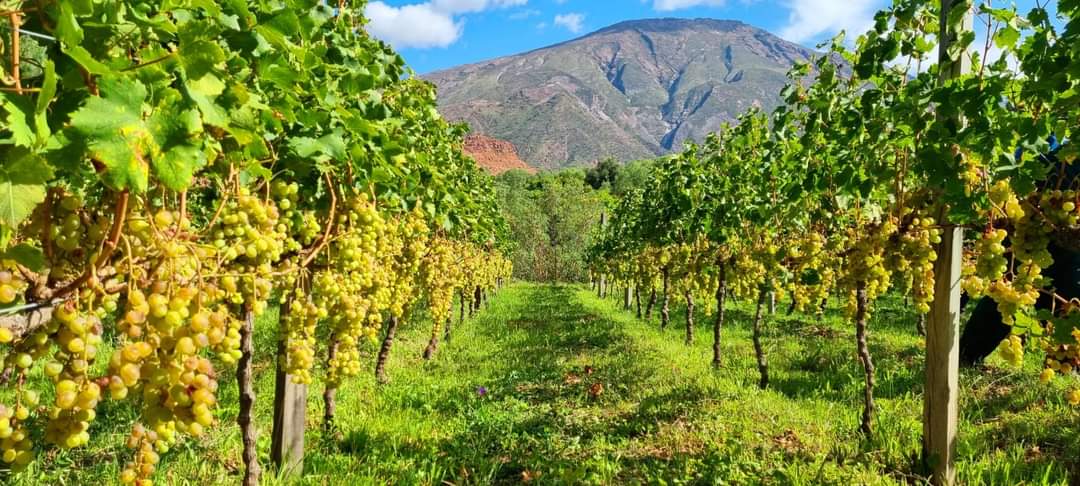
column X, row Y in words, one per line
column 290, row 411
column 245, row 418
column 940, row 396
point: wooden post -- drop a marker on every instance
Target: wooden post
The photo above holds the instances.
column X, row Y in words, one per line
column 245, row 417
column 603, row 278
column 940, row 407
column 290, row 412
column 940, row 395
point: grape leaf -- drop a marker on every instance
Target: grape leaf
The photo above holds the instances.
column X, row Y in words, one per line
column 175, row 159
column 203, row 91
column 68, row 29
column 44, row 98
column 19, row 120
column 86, row 60
column 1064, row 326
column 26, row 255
column 116, row 136
column 22, row 185
column 199, row 57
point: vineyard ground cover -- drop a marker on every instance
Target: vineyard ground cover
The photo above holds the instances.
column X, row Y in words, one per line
column 514, row 396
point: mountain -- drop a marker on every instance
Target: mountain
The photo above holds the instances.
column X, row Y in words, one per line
column 633, row 90
column 494, row 156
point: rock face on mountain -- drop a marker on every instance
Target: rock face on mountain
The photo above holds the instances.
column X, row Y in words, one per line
column 633, row 90
column 495, row 156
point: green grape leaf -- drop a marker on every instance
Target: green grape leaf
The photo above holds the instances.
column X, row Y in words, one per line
column 116, row 136
column 203, row 92
column 86, row 60
column 122, row 134
column 1064, row 327
column 26, row 255
column 68, row 29
column 22, row 185
column 19, row 118
column 48, row 88
column 1006, row 37
column 331, row 146
column 200, row 56
column 82, row 7
column 44, row 98
column 174, row 156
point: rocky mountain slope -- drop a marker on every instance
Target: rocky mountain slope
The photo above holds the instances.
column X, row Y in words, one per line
column 633, row 90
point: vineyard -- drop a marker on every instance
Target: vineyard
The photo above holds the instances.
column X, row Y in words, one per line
column 252, row 213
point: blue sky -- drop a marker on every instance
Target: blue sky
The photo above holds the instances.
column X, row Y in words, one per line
column 437, row 34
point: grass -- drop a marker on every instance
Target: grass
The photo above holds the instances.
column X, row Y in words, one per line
column 579, row 391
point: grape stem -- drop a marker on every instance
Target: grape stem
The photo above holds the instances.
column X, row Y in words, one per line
column 224, row 200
column 119, row 215
column 46, row 231
column 329, row 226
column 15, row 74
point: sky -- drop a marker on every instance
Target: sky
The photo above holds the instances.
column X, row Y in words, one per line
column 438, row 34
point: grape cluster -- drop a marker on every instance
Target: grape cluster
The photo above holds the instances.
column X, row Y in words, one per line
column 299, row 325
column 440, row 278
column 163, row 361
column 990, row 263
column 355, row 290
column 1059, row 207
column 814, row 271
column 11, row 285
column 865, row 263
column 250, row 240
column 1011, row 350
column 694, row 273
column 301, row 225
column 1006, row 204
column 1062, row 358
column 916, row 257
column 146, row 458
column 409, row 245
column 78, row 228
column 16, row 449
column 1073, row 396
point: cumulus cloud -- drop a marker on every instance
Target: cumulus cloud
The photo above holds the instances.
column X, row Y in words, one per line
column 426, row 25
column 810, row 19
column 571, row 21
column 412, row 25
column 669, row 5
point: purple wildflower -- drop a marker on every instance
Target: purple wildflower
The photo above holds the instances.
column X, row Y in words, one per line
column 481, row 391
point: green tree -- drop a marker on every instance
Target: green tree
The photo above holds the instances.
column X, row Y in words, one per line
column 551, row 218
column 606, row 170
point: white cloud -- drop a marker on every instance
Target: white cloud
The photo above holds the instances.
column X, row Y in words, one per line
column 669, row 5
column 571, row 21
column 426, row 25
column 809, row 19
column 412, row 25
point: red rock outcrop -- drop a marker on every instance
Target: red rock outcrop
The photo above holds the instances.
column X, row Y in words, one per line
column 495, row 156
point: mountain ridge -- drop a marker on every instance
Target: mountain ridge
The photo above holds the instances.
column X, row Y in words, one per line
column 635, row 89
